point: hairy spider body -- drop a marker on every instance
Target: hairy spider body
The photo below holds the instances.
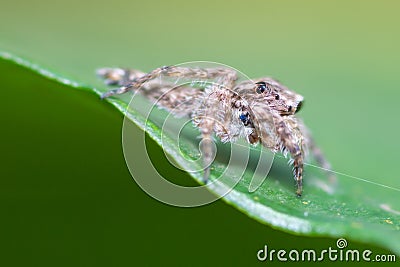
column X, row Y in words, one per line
column 261, row 110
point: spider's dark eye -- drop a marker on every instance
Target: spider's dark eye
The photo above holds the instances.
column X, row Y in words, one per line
column 290, row 109
column 261, row 87
column 277, row 97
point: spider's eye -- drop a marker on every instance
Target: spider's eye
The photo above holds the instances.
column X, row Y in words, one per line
column 261, row 87
column 277, row 97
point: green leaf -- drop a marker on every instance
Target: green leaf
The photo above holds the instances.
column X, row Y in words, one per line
column 359, row 210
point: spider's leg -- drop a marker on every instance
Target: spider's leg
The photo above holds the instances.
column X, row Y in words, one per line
column 317, row 154
column 204, row 118
column 118, row 76
column 321, row 160
column 175, row 71
column 179, row 100
column 169, row 96
column 291, row 140
column 211, row 116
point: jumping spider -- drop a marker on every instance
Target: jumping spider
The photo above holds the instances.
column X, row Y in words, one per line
column 261, row 110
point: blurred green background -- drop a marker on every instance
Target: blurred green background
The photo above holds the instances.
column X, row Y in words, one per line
column 66, row 195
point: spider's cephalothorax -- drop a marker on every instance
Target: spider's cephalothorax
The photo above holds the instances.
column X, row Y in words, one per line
column 261, row 110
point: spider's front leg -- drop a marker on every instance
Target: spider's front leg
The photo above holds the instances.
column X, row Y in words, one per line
column 210, row 118
column 291, row 139
column 205, row 118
